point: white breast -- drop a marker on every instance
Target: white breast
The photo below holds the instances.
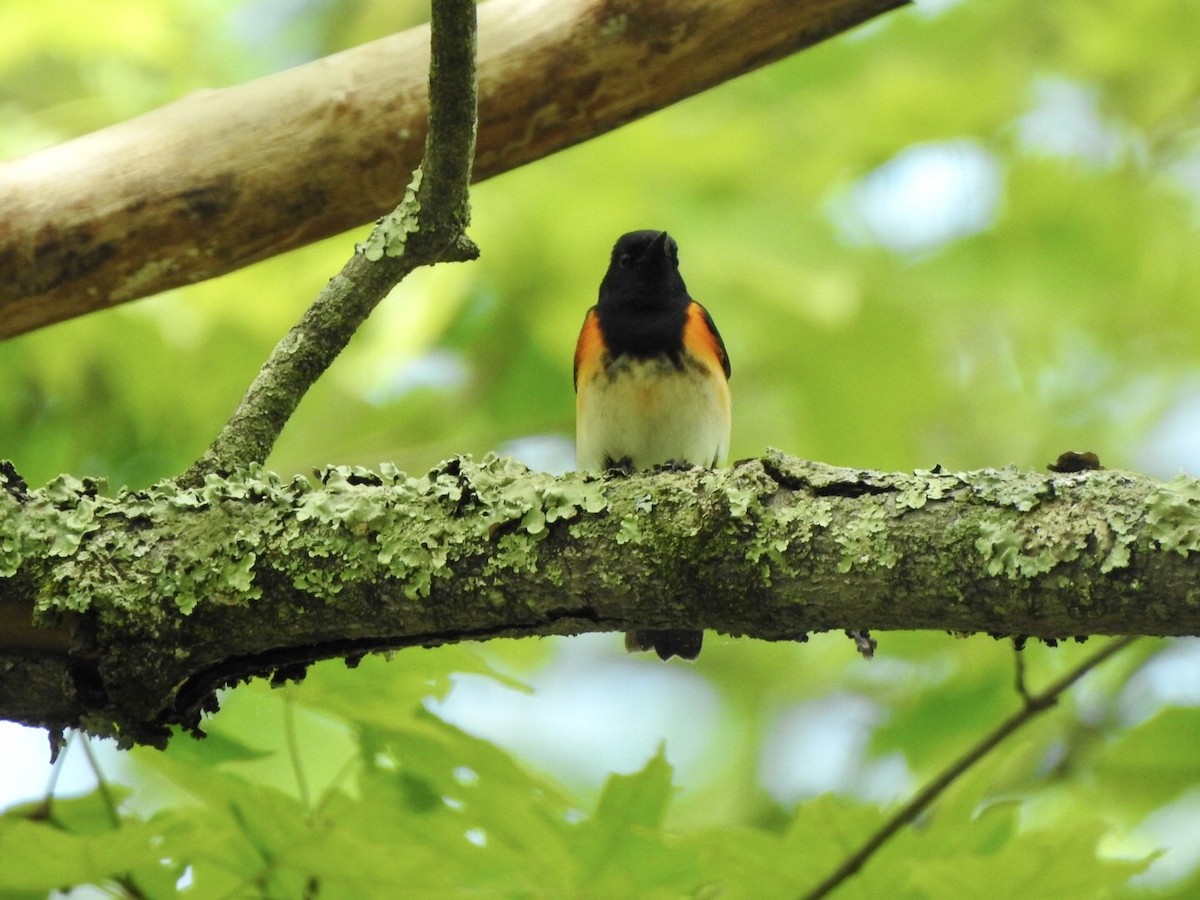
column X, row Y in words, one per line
column 652, row 412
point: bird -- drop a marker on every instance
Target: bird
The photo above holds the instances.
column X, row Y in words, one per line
column 651, row 384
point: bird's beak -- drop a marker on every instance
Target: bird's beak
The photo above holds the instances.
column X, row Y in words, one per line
column 658, row 246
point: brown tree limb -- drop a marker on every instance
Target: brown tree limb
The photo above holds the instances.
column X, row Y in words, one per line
column 427, row 227
column 224, row 178
column 161, row 597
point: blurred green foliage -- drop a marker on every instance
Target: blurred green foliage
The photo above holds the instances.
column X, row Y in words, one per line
column 1060, row 315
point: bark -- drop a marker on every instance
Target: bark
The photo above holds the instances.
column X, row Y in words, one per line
column 223, row 178
column 428, row 226
column 124, row 615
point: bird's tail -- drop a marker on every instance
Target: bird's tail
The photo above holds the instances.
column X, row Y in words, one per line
column 667, row 643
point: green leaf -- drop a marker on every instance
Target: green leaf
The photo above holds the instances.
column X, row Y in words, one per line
column 946, row 701
column 640, row 799
column 51, row 858
column 623, row 849
column 1152, row 764
column 744, row 863
column 1058, row 862
column 383, row 687
column 217, row 747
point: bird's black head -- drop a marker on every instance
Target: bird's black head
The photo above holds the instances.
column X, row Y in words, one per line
column 644, row 273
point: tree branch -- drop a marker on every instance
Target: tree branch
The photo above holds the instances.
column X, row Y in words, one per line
column 158, row 598
column 427, row 227
column 224, row 178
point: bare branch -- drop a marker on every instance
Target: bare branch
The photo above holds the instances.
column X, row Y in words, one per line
column 224, row 178
column 427, row 227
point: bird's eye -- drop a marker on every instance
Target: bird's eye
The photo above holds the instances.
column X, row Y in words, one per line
column 625, row 260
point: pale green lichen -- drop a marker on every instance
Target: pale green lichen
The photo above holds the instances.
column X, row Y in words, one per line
column 614, row 25
column 1007, row 487
column 629, row 532
column 53, row 522
column 924, row 486
column 49, row 525
column 181, row 547
column 1000, row 544
column 741, row 500
column 1062, row 517
column 740, row 497
column 863, row 538
column 1118, row 538
column 788, row 525
column 1173, row 514
column 1024, row 549
column 1116, row 522
column 554, row 501
column 389, row 237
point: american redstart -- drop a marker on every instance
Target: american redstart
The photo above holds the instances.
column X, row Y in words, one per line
column 651, row 383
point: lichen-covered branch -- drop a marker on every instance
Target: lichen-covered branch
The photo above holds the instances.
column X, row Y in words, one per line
column 149, row 601
column 427, row 227
column 223, row 178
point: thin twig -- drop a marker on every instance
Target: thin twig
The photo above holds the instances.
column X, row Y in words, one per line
column 125, row 881
column 427, row 227
column 293, row 748
column 1019, row 683
column 101, row 782
column 1034, row 705
column 56, row 772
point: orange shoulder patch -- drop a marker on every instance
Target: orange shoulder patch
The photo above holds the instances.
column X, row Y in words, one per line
column 589, row 348
column 701, row 338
